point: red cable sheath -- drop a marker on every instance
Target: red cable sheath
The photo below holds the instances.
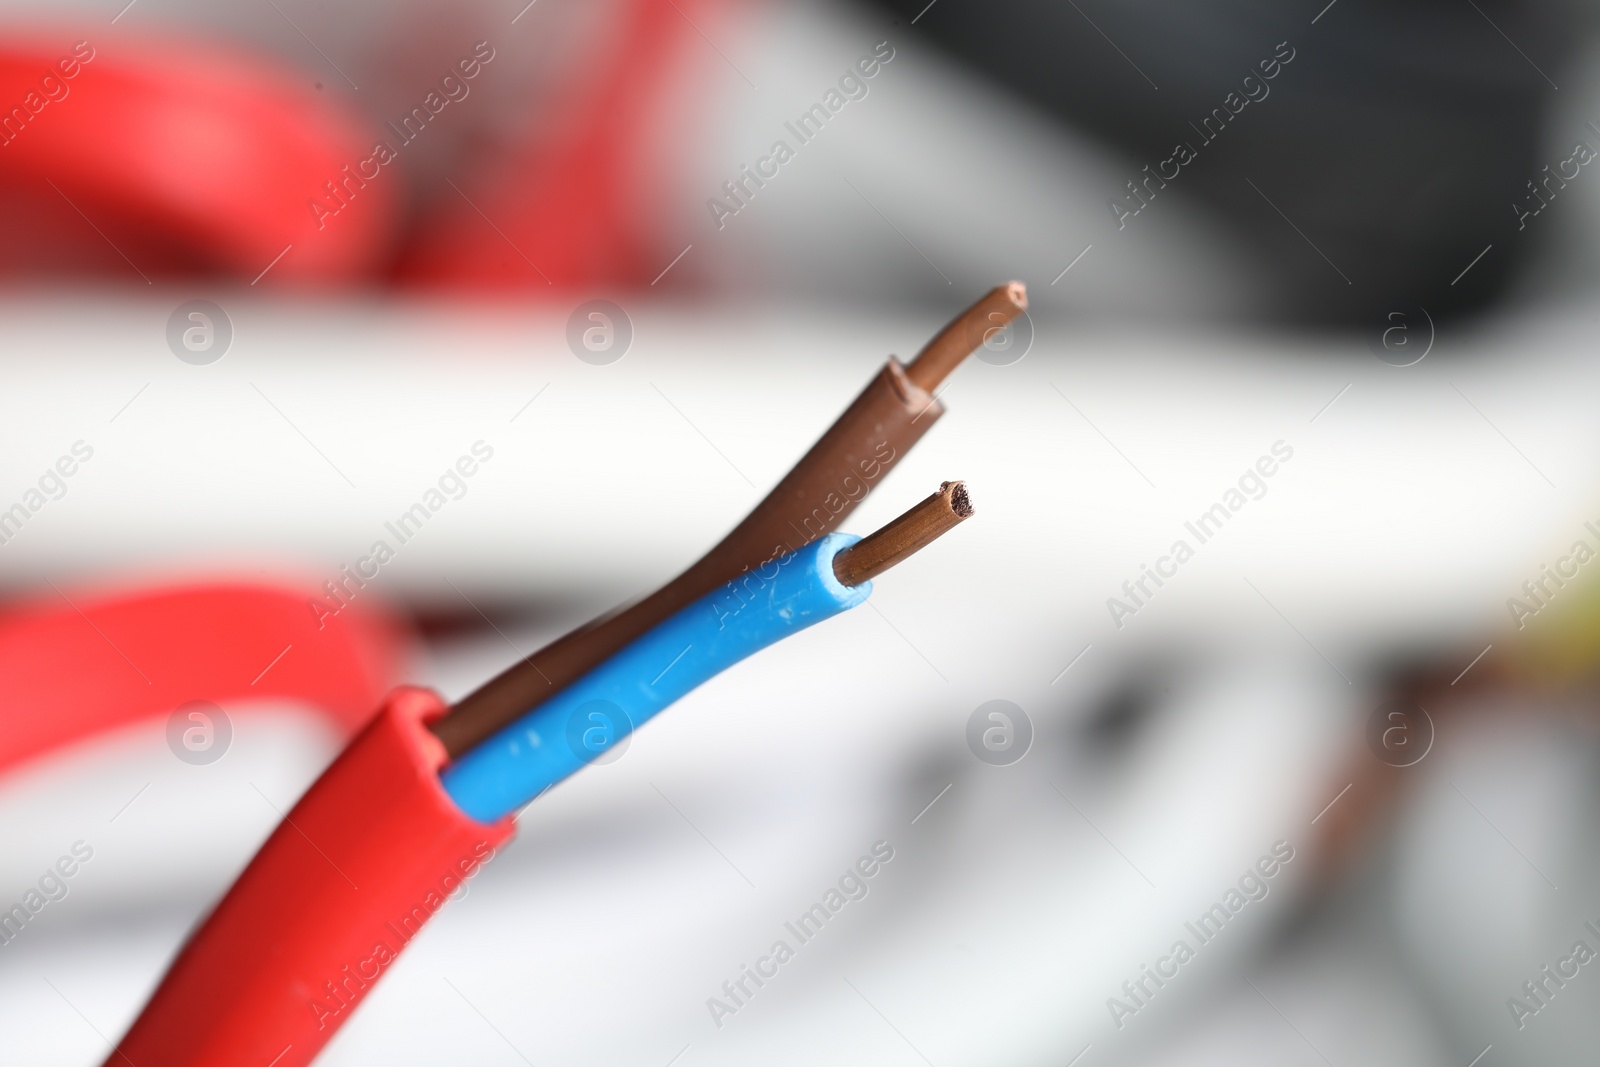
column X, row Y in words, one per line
column 354, row 870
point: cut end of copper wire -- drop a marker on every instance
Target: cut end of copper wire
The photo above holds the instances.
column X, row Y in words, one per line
column 905, row 536
column 966, row 334
column 960, row 499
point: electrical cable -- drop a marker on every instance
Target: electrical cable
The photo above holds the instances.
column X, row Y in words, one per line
column 593, row 714
column 380, row 840
column 888, row 417
column 591, row 717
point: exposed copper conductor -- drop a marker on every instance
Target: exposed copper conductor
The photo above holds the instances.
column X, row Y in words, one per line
column 910, row 533
column 966, row 334
column 889, row 416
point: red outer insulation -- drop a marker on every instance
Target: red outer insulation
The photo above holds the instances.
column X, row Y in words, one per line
column 354, row 870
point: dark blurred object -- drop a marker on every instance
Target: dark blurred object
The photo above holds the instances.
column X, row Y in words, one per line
column 176, row 156
column 565, row 196
column 1397, row 139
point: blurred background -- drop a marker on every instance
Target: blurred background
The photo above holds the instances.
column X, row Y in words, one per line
column 269, row 269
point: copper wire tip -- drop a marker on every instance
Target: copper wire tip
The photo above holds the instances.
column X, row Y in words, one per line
column 905, row 536
column 966, row 333
column 960, row 500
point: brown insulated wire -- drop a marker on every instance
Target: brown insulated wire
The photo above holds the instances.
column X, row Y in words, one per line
column 889, row 416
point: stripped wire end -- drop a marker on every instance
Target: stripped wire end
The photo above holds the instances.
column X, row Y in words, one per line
column 966, row 333
column 904, row 536
column 892, row 412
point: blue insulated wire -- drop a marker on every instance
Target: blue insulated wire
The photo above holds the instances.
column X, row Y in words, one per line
column 589, row 717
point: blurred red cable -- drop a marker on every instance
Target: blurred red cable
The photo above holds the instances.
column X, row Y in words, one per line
column 574, row 209
column 71, row 668
column 140, row 157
